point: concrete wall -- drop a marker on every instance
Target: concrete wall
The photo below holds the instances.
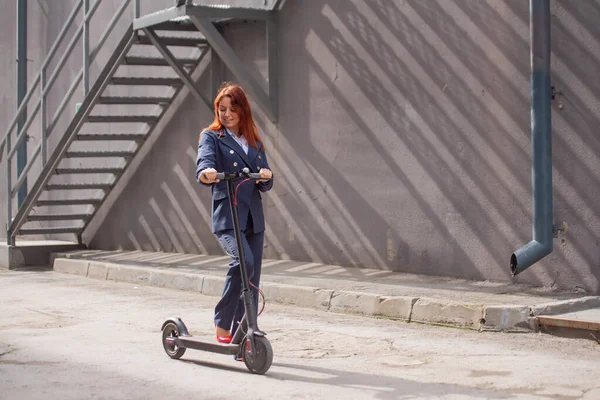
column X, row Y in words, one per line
column 403, row 143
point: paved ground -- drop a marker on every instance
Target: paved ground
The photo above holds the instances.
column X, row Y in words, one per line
column 68, row 337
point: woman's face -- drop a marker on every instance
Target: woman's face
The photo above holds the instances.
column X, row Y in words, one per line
column 228, row 115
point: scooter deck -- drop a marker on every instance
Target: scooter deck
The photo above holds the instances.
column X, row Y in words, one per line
column 191, row 342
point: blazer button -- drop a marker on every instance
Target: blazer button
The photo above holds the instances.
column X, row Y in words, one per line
column 235, row 163
column 258, row 168
column 259, row 157
column 230, row 151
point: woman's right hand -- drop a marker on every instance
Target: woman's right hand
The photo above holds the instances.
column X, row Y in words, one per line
column 208, row 176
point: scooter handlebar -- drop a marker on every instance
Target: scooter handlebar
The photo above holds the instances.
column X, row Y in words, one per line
column 244, row 173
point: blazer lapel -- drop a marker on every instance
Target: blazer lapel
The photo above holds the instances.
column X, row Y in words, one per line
column 230, row 142
column 252, row 152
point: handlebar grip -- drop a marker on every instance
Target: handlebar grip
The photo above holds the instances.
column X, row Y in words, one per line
column 227, row 175
column 220, row 175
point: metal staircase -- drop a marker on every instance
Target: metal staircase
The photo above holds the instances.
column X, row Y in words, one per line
column 154, row 60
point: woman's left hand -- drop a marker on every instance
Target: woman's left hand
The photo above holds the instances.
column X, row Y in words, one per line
column 265, row 173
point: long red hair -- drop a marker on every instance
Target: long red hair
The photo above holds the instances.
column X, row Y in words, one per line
column 240, row 102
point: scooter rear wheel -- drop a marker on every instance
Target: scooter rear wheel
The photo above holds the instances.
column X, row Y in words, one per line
column 171, row 331
column 260, row 361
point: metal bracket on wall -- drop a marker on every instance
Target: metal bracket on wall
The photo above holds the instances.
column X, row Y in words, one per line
column 563, row 228
column 555, row 92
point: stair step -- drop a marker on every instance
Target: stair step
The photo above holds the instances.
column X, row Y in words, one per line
column 78, row 186
column 42, row 231
column 175, row 41
column 99, row 154
column 58, row 217
column 68, row 202
column 134, row 100
column 62, row 171
column 175, row 26
column 123, row 118
column 146, row 81
column 112, row 136
column 156, row 61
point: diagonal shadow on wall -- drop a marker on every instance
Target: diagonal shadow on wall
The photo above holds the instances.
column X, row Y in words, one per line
column 433, row 114
column 472, row 147
column 575, row 142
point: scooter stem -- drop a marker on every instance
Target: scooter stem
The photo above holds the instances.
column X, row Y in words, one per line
column 250, row 314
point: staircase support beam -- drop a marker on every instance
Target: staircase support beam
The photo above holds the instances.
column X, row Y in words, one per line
column 272, row 65
column 170, row 58
column 235, row 65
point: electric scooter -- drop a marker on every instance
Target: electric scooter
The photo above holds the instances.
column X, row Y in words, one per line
column 248, row 342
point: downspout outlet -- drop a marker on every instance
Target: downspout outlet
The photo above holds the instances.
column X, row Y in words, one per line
column 528, row 255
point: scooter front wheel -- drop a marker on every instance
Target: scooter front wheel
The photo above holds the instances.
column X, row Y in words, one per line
column 260, row 360
column 169, row 333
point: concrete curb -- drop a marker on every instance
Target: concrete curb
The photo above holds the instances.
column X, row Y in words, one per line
column 561, row 307
column 509, row 318
column 447, row 313
column 522, row 318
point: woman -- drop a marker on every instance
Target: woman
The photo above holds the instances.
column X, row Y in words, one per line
column 230, row 144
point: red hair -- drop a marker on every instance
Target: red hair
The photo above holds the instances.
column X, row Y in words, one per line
column 242, row 107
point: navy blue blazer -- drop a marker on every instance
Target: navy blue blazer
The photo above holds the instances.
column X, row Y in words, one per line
column 220, row 151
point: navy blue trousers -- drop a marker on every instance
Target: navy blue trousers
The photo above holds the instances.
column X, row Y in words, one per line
column 230, row 309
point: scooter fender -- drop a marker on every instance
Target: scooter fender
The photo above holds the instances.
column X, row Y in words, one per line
column 180, row 325
column 250, row 337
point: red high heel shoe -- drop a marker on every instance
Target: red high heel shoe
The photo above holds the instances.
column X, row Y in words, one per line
column 223, row 339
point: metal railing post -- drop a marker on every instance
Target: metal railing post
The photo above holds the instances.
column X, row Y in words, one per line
column 22, row 108
column 43, row 117
column 21, row 93
column 8, row 193
column 136, row 9
column 86, row 47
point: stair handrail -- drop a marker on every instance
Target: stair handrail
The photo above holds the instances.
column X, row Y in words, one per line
column 45, row 87
column 38, row 78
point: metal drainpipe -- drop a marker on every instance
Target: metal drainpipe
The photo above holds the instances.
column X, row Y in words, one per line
column 541, row 141
column 21, row 92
